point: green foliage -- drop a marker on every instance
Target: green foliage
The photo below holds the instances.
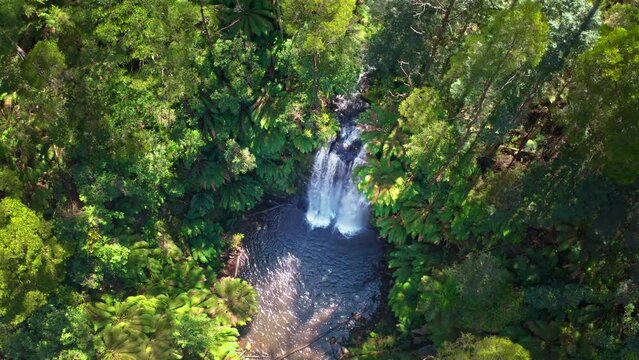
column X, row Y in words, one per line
column 252, row 17
column 238, row 62
column 10, row 184
column 485, row 294
column 11, row 14
column 476, row 295
column 513, row 39
column 319, row 51
column 570, row 34
column 140, row 130
column 198, row 336
column 51, row 330
column 238, row 298
column 391, row 45
column 148, row 37
column 31, row 256
column 113, row 256
column 603, row 110
column 412, row 42
column 44, row 63
column 318, row 23
column 378, row 347
column 488, row 348
column 426, row 123
column 241, row 195
column 502, row 168
column 194, row 323
column 240, row 159
column 495, row 176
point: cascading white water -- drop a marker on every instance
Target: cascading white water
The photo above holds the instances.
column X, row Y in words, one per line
column 333, row 198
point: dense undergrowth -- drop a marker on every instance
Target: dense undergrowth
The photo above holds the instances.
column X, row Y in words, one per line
column 133, row 134
column 503, row 172
column 503, row 169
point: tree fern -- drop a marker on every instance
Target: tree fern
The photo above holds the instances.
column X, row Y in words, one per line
column 252, row 17
column 241, row 194
column 160, row 341
column 239, row 298
column 276, row 176
column 210, row 174
column 121, row 345
column 201, row 204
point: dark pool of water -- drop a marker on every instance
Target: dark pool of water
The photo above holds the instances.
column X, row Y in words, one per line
column 309, row 281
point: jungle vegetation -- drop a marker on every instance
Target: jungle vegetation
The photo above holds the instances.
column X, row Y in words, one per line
column 503, row 169
column 503, row 172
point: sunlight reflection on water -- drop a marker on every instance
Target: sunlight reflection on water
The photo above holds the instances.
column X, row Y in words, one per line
column 308, row 281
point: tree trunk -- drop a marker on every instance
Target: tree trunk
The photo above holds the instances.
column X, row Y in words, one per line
column 278, row 17
column 439, row 37
column 477, row 114
column 205, row 25
column 316, row 102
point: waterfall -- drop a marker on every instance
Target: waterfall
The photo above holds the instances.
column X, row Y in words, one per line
column 333, row 198
column 311, row 280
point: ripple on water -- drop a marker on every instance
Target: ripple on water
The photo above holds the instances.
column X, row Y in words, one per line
column 308, row 281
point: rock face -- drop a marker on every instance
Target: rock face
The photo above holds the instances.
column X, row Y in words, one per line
column 347, row 145
column 349, row 107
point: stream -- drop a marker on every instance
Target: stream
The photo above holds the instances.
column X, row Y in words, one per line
column 316, row 265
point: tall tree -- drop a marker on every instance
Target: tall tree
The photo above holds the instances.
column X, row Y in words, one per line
column 316, row 25
column 512, row 44
column 30, row 259
column 604, row 103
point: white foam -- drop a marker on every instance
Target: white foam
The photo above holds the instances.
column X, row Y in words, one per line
column 333, row 198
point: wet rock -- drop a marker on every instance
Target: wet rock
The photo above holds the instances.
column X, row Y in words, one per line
column 427, row 351
column 348, row 107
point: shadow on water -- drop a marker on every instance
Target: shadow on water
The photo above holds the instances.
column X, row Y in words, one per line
column 309, row 281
